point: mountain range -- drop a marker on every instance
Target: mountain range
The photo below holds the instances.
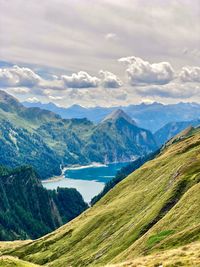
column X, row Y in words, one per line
column 149, row 116
column 171, row 129
column 44, row 140
column 151, row 218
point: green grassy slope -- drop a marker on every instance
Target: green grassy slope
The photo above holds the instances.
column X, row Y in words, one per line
column 187, row 256
column 155, row 207
column 11, row 262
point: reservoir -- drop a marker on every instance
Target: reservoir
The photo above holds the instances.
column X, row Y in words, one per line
column 88, row 180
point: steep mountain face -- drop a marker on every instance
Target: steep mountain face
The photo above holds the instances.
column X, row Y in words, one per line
column 19, row 146
column 149, row 116
column 154, row 209
column 171, row 129
column 28, row 210
column 117, row 137
column 45, row 141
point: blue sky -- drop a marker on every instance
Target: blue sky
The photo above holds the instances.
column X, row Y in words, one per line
column 100, row 52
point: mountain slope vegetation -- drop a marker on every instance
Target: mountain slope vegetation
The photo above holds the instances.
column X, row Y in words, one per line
column 187, row 256
column 154, row 209
column 46, row 141
column 28, row 210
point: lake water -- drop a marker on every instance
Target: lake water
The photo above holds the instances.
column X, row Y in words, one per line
column 88, row 180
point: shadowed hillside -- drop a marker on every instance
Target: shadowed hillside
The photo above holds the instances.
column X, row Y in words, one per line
column 28, row 210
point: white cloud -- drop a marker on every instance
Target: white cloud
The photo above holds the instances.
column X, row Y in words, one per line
column 80, row 80
column 147, row 101
column 32, row 99
column 156, row 81
column 190, row 74
column 109, row 80
column 142, row 72
column 16, row 76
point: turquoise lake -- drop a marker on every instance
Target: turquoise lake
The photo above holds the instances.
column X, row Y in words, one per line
column 88, row 180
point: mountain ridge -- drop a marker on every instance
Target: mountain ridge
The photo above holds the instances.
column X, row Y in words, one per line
column 118, row 114
column 49, row 139
column 171, row 129
column 149, row 116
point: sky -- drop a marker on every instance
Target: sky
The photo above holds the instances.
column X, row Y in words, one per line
column 100, row 52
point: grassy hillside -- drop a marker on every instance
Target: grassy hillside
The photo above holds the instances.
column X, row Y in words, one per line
column 153, row 209
column 187, row 256
column 7, row 261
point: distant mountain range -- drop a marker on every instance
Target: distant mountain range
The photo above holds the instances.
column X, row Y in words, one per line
column 149, row 116
column 43, row 139
column 171, row 129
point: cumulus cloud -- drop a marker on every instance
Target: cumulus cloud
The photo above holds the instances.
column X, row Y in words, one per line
column 142, row 72
column 190, row 74
column 16, row 76
column 155, row 81
column 80, row 80
column 21, row 77
column 109, row 80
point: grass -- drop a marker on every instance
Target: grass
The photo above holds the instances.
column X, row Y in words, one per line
column 154, row 209
column 7, row 261
column 154, row 239
column 188, row 256
column 6, row 245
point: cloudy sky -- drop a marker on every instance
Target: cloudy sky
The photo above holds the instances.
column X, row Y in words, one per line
column 100, row 52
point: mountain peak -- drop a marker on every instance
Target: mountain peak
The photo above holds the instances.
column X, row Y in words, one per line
column 118, row 114
column 9, row 102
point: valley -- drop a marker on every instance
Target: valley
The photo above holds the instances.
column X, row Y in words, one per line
column 155, row 210
column 136, row 183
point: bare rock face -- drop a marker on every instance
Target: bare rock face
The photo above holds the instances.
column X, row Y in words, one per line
column 117, row 114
